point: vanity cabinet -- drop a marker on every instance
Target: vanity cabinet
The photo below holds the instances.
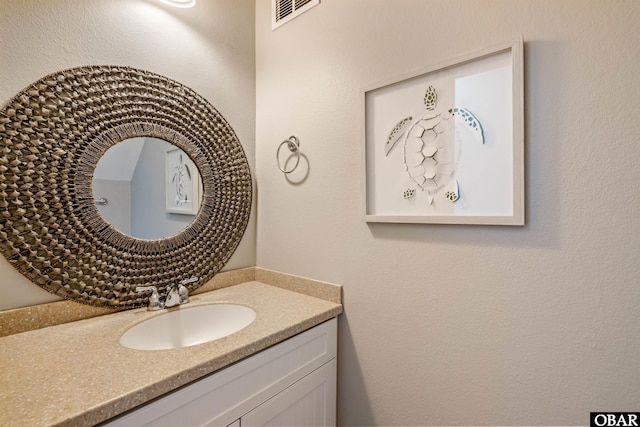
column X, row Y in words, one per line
column 292, row 383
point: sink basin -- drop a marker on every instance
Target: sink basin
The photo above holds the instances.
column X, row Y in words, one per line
column 188, row 326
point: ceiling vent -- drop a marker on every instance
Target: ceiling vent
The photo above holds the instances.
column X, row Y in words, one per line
column 283, row 11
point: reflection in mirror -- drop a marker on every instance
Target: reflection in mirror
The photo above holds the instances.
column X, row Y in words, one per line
column 147, row 188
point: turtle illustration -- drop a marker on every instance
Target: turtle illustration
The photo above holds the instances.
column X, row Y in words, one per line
column 427, row 155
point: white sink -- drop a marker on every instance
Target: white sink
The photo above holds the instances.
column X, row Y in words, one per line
column 188, row 326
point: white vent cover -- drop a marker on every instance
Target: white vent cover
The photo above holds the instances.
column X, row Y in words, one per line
column 283, row 11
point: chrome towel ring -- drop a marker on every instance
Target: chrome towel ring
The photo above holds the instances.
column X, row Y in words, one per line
column 294, row 146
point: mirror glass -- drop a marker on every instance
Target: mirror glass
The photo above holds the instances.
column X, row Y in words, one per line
column 147, row 188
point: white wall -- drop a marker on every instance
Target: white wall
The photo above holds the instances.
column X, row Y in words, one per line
column 118, row 208
column 459, row 325
column 209, row 48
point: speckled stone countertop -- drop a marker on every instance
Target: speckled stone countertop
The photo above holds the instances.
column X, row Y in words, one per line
column 78, row 374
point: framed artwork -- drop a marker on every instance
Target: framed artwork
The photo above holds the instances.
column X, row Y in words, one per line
column 445, row 145
column 182, row 183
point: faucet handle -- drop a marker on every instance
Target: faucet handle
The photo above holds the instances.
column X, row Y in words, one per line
column 189, row 280
column 183, row 292
column 154, row 299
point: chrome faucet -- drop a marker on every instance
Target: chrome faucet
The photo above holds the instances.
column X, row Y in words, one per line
column 173, row 297
column 154, row 299
column 176, row 295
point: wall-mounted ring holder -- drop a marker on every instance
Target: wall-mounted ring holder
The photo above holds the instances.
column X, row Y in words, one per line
column 293, row 144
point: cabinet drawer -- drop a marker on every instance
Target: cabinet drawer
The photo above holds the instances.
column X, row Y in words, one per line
column 224, row 396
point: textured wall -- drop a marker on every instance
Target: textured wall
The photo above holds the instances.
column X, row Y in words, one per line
column 465, row 324
column 209, row 48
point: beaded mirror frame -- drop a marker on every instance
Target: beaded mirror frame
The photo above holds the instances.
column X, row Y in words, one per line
column 52, row 135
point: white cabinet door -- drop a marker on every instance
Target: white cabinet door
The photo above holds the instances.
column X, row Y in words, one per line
column 309, row 402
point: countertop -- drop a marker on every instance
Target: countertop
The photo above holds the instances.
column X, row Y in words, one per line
column 78, row 374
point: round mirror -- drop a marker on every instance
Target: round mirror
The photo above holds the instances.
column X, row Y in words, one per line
column 53, row 135
column 147, row 188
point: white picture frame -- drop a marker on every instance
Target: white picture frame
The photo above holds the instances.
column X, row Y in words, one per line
column 445, row 144
column 182, row 183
